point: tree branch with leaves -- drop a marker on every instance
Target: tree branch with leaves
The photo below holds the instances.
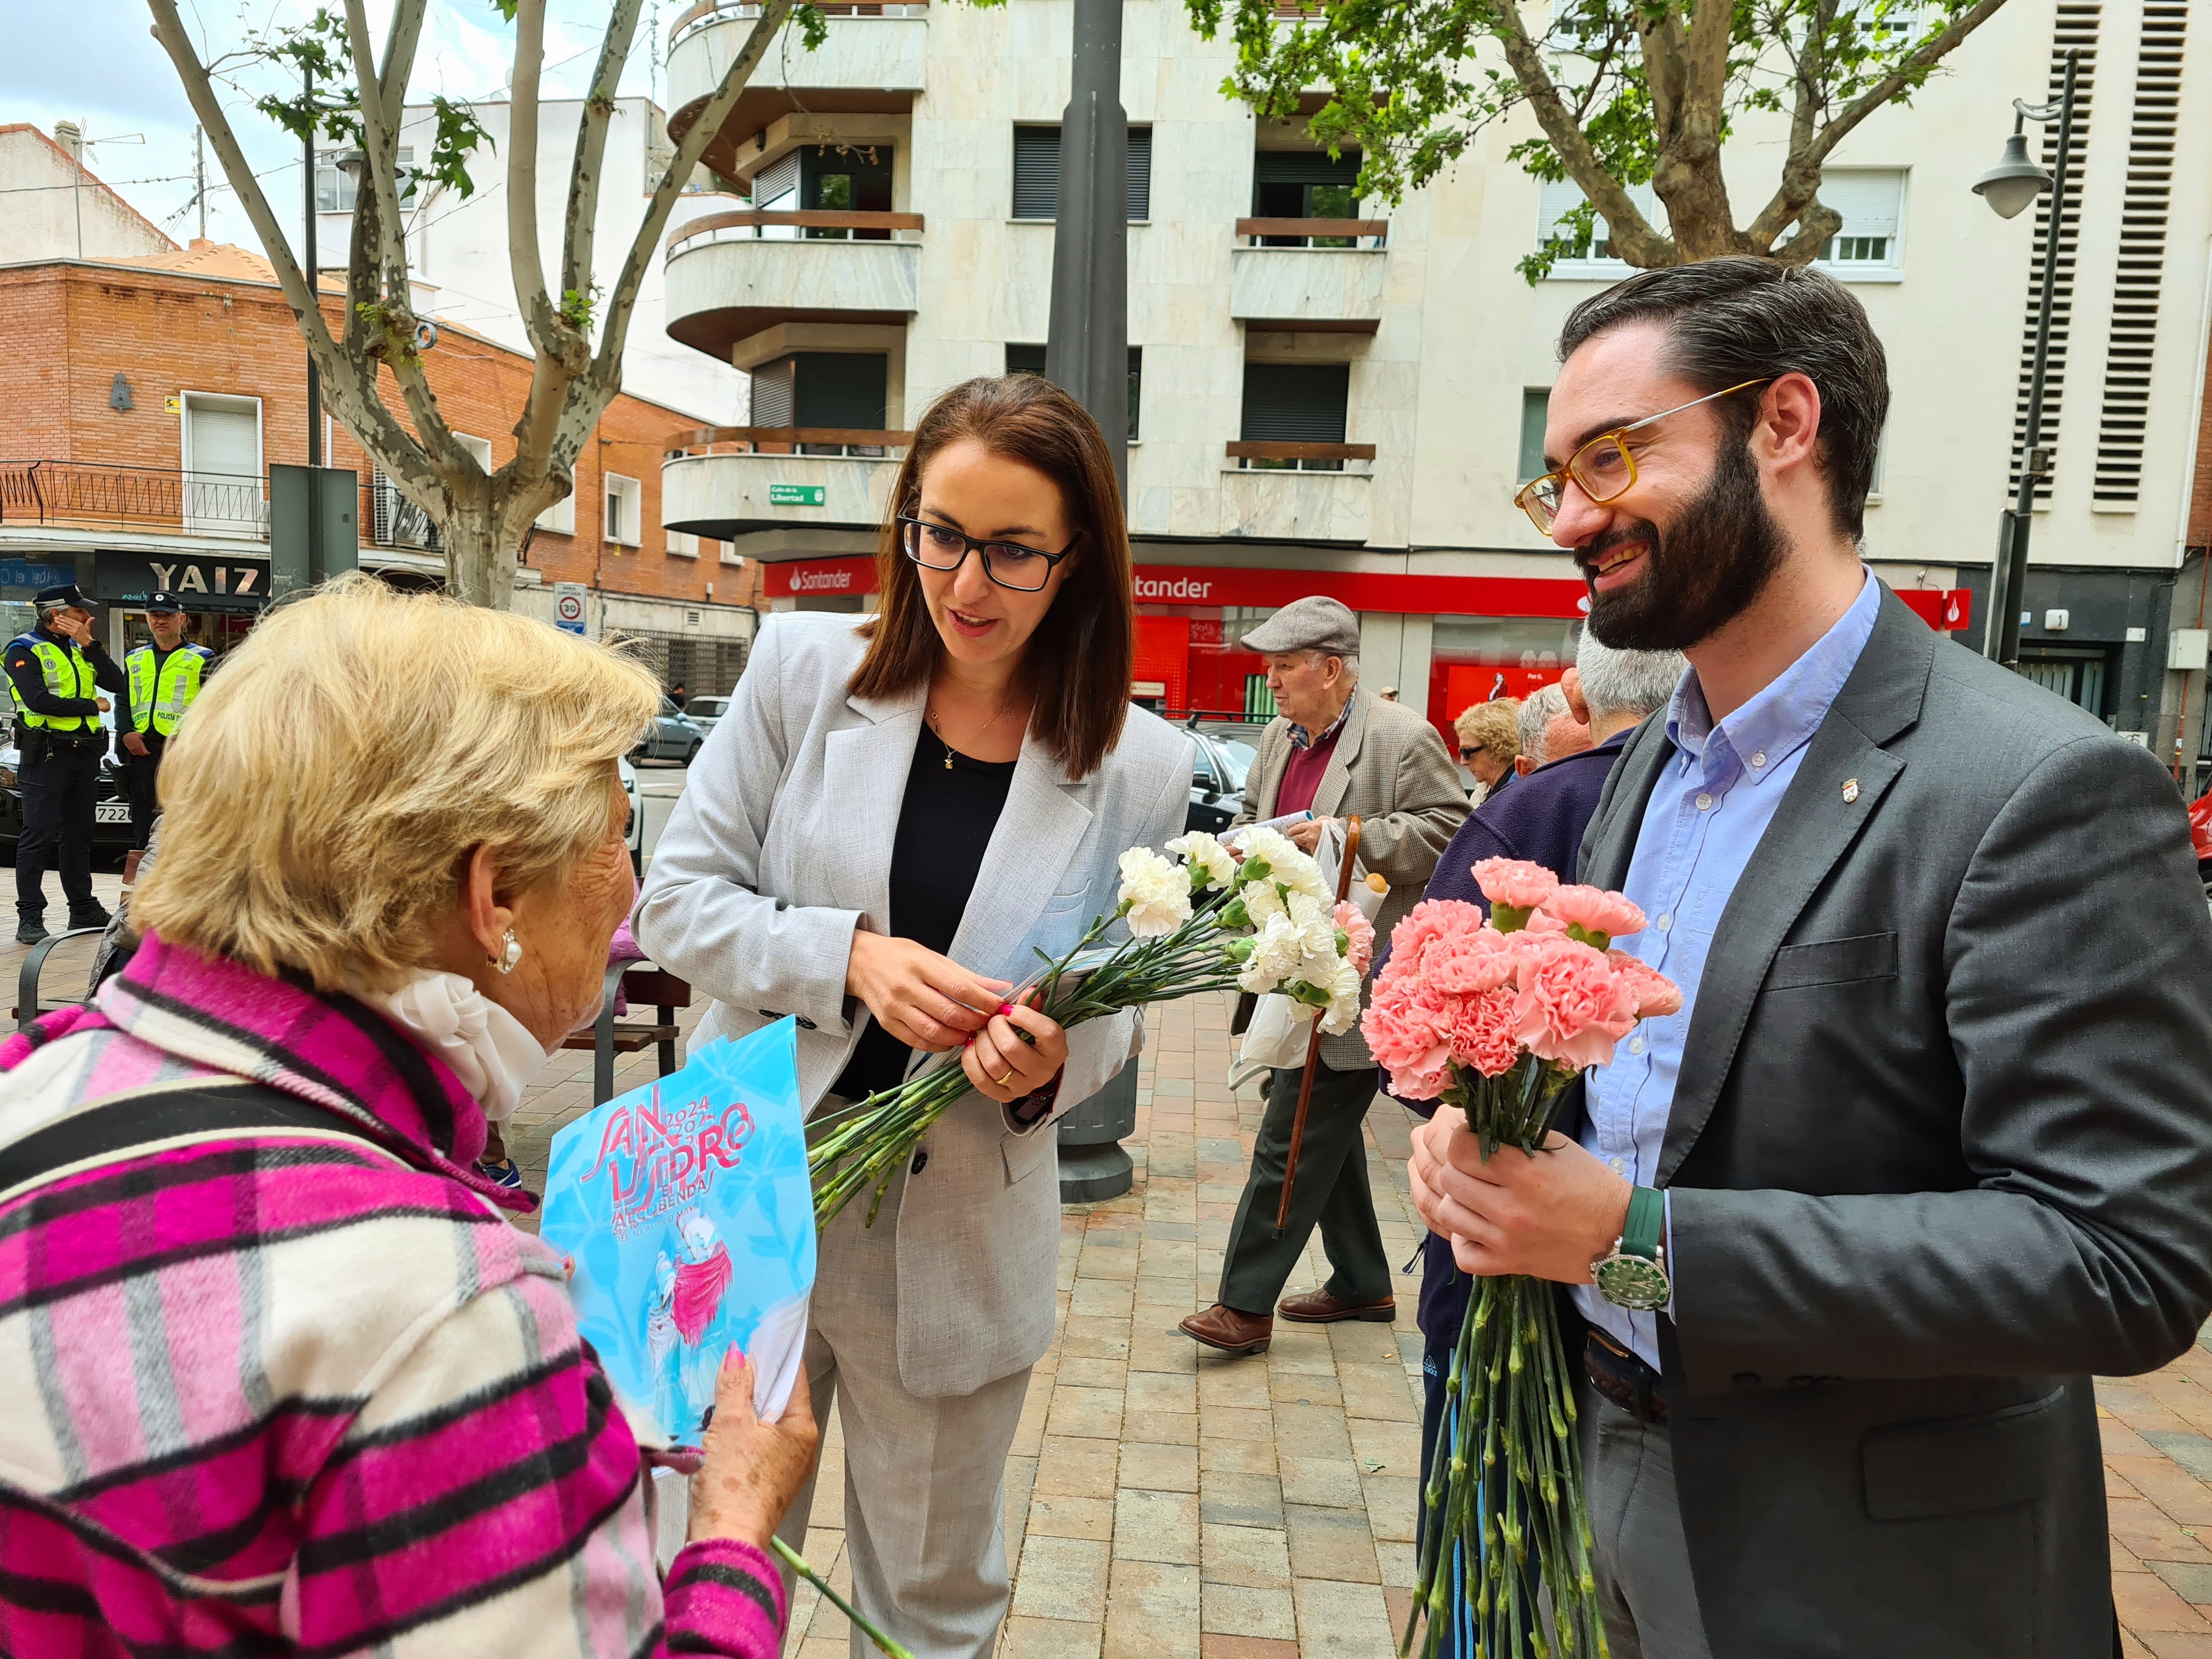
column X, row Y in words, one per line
column 1624, row 93
column 359, row 101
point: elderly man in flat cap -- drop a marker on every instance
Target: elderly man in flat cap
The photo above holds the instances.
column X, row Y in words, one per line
column 1339, row 752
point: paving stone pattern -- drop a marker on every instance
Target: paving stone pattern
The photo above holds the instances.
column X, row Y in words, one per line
column 1163, row 1503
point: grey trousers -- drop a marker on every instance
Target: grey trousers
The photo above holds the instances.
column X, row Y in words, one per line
column 925, row 1478
column 1643, row 1583
column 1329, row 1191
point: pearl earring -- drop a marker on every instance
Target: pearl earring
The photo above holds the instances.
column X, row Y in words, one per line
column 510, row 953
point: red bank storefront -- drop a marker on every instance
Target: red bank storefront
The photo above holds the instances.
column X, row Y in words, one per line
column 1487, row 636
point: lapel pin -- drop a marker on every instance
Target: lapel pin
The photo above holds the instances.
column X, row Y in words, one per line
column 1850, row 790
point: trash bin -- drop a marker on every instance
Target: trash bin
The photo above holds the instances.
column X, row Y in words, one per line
column 1092, row 1165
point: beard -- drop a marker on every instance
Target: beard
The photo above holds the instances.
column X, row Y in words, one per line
column 1699, row 575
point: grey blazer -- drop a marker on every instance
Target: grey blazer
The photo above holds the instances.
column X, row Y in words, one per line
column 782, row 846
column 1390, row 768
column 1940, row 1149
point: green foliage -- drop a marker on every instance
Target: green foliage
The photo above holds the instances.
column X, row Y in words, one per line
column 577, row 305
column 318, row 49
column 1411, row 83
column 814, row 27
column 390, row 339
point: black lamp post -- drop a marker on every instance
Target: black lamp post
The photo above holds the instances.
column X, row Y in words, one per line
column 2009, row 187
column 1086, row 350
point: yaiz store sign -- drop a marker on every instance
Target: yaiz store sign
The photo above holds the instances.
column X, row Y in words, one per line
column 201, row 581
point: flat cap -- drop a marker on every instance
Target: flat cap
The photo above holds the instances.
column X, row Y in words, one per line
column 1313, row 623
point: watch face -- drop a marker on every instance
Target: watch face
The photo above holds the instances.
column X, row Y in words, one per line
column 1633, row 1281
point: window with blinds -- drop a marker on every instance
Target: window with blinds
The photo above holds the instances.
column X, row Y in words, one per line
column 2126, row 418
column 2077, row 28
column 1872, row 203
column 1029, row 360
column 1037, row 172
column 1555, row 200
column 1296, row 404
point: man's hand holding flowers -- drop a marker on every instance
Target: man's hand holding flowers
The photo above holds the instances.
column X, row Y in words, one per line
column 1547, row 1215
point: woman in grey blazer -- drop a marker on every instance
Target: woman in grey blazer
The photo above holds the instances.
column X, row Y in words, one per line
column 895, row 812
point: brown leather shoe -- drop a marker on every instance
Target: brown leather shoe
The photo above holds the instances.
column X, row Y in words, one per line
column 1232, row 1332
column 1320, row 1308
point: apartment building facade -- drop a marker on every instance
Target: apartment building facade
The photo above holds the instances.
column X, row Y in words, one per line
column 1346, row 405
column 147, row 397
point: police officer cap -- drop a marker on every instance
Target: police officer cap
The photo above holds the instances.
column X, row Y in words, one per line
column 163, row 604
column 53, row 598
column 1316, row 622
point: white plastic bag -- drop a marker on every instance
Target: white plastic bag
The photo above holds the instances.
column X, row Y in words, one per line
column 1276, row 1038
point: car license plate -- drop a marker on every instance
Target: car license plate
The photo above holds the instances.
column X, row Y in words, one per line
column 111, row 811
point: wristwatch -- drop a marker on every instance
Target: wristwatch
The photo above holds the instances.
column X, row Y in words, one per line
column 1634, row 1274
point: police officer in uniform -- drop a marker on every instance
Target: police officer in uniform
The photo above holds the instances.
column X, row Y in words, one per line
column 55, row 673
column 164, row 678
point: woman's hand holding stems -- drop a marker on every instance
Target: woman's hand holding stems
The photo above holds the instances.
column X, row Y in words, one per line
column 930, row 1002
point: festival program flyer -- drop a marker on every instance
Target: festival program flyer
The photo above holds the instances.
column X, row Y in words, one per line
column 686, row 1208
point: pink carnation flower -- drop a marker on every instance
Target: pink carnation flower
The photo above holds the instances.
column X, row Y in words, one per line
column 1430, row 920
column 1408, row 1030
column 1594, row 910
column 1657, row 996
column 1515, row 882
column 1571, row 1003
column 1470, row 963
column 1360, row 932
column 1482, row 1035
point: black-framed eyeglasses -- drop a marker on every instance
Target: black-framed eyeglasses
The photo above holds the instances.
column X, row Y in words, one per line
column 940, row 547
column 1466, row 754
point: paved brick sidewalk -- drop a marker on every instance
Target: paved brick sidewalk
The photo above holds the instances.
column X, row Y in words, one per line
column 1163, row 1503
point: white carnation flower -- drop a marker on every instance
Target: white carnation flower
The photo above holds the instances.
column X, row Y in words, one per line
column 1273, row 848
column 1316, row 924
column 1202, row 852
column 1277, row 950
column 1155, row 894
column 1263, row 900
column 1343, row 1011
column 1302, row 875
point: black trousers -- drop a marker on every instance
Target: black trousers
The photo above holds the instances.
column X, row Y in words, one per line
column 1331, row 1191
column 139, row 775
column 57, row 797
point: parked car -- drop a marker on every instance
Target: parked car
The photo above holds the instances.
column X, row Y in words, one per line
column 636, row 819
column 1225, row 752
column 675, row 736
column 703, row 711
column 110, row 807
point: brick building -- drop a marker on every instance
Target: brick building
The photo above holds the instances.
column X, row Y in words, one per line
column 143, row 398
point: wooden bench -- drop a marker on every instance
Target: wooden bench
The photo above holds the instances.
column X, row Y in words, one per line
column 28, row 1008
column 642, row 983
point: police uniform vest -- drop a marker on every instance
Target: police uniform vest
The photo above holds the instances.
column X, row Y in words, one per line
column 68, row 673
column 160, row 701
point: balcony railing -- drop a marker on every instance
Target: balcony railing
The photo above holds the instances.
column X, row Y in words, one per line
column 746, row 11
column 1313, row 233
column 813, row 225
column 856, row 443
column 72, row 492
column 1298, row 457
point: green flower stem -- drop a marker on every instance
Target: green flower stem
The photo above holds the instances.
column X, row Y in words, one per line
column 792, row 1559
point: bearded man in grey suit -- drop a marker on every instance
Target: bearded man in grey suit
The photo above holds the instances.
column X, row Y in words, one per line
column 1930, row 1140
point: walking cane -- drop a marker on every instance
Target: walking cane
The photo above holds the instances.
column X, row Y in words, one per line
column 1313, row 1042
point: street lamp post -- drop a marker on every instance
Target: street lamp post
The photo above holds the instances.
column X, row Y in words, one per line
column 2009, row 187
column 1086, row 351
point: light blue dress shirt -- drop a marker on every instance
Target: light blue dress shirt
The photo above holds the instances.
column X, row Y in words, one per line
column 1712, row 802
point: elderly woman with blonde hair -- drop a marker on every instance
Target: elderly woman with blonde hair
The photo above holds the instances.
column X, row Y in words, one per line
column 287, row 1379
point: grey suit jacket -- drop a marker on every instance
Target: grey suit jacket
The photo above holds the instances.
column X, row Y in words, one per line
column 1390, row 768
column 1940, row 1148
column 782, row 846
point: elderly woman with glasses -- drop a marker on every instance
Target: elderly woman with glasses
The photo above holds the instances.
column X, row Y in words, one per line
column 287, row 1378
column 898, row 812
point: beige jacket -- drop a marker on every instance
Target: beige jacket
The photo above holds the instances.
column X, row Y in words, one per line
column 782, row 846
column 1392, row 771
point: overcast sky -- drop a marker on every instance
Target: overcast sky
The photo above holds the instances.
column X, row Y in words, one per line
column 95, row 62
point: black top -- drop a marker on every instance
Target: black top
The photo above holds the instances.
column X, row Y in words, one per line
column 945, row 820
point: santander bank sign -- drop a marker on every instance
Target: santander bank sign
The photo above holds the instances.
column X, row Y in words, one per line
column 1188, row 590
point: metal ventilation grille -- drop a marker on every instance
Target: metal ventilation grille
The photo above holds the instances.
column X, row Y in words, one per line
column 2077, row 27
column 2126, row 417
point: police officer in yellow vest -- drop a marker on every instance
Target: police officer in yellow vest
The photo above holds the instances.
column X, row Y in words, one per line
column 164, row 678
column 55, row 673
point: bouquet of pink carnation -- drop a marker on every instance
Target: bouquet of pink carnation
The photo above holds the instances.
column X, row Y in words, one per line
column 1497, row 1017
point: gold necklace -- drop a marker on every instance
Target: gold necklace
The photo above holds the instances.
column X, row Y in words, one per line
column 929, row 718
